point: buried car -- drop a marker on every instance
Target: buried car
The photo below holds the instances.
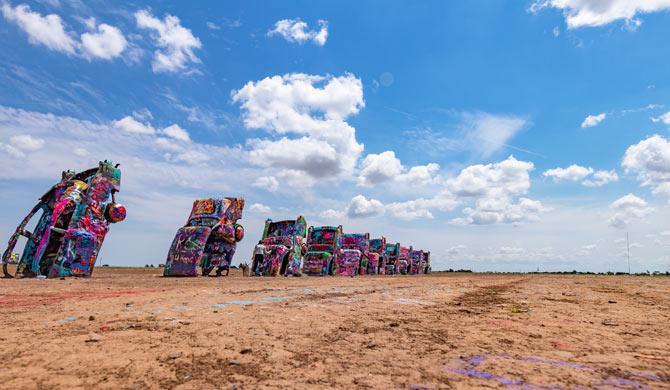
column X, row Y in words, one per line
column 75, row 219
column 392, row 251
column 416, row 262
column 425, row 262
column 324, row 248
column 404, row 261
column 208, row 239
column 376, row 264
column 356, row 255
column 280, row 250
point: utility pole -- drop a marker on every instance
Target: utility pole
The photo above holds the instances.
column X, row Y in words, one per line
column 628, row 250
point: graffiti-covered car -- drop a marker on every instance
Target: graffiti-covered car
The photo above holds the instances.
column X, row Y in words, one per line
column 208, row 239
column 404, row 261
column 425, row 262
column 416, row 262
column 324, row 247
column 355, row 254
column 76, row 213
column 280, row 250
column 392, row 252
column 376, row 264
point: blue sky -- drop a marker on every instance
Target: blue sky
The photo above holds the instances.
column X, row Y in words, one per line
column 499, row 135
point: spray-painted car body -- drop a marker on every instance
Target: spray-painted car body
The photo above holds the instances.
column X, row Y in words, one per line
column 324, row 248
column 208, row 239
column 280, row 249
column 376, row 264
column 76, row 214
column 425, row 262
column 355, row 254
column 404, row 260
column 392, row 252
column 416, row 262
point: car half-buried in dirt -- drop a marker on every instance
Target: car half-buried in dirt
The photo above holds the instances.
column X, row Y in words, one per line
column 356, row 255
column 280, row 250
column 376, row 265
column 75, row 219
column 208, row 239
column 425, row 262
column 392, row 252
column 404, row 261
column 416, row 262
column 324, row 248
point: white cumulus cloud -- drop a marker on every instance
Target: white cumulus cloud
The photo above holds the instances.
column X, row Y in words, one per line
column 663, row 118
column 46, row 30
column 106, row 43
column 131, row 125
column 591, row 13
column 572, row 173
column 260, row 208
column 102, row 42
column 362, row 207
column 331, row 215
column 600, row 178
column 650, row 159
column 176, row 132
column 268, row 183
column 313, row 108
column 295, row 30
column 628, row 208
column 177, row 43
column 593, row 120
column 587, row 175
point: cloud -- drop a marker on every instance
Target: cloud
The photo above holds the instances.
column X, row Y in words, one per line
column 176, row 43
column 295, row 30
column 361, row 207
column 379, row 168
column 102, row 42
column 106, row 43
column 421, row 208
column 313, row 107
column 386, row 167
column 176, row 132
column 628, row 208
column 600, row 178
column 486, row 133
column 268, row 183
column 26, row 143
column 331, row 214
column 454, row 251
column 586, row 175
column 492, row 193
column 593, row 120
column 650, row 159
column 663, row 118
column 42, row 30
column 572, row 173
column 260, row 208
column 213, row 26
column 131, row 125
column 494, row 189
column 591, row 13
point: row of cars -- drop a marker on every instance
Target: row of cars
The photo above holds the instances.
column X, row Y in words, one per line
column 290, row 248
column 75, row 214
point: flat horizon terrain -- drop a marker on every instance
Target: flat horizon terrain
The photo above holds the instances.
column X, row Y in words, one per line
column 132, row 328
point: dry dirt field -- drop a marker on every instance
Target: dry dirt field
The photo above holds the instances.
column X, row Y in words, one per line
column 132, row 328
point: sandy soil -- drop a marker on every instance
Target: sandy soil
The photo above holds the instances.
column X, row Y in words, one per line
column 132, row 328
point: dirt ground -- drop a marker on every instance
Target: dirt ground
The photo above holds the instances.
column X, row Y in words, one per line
column 132, row 328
